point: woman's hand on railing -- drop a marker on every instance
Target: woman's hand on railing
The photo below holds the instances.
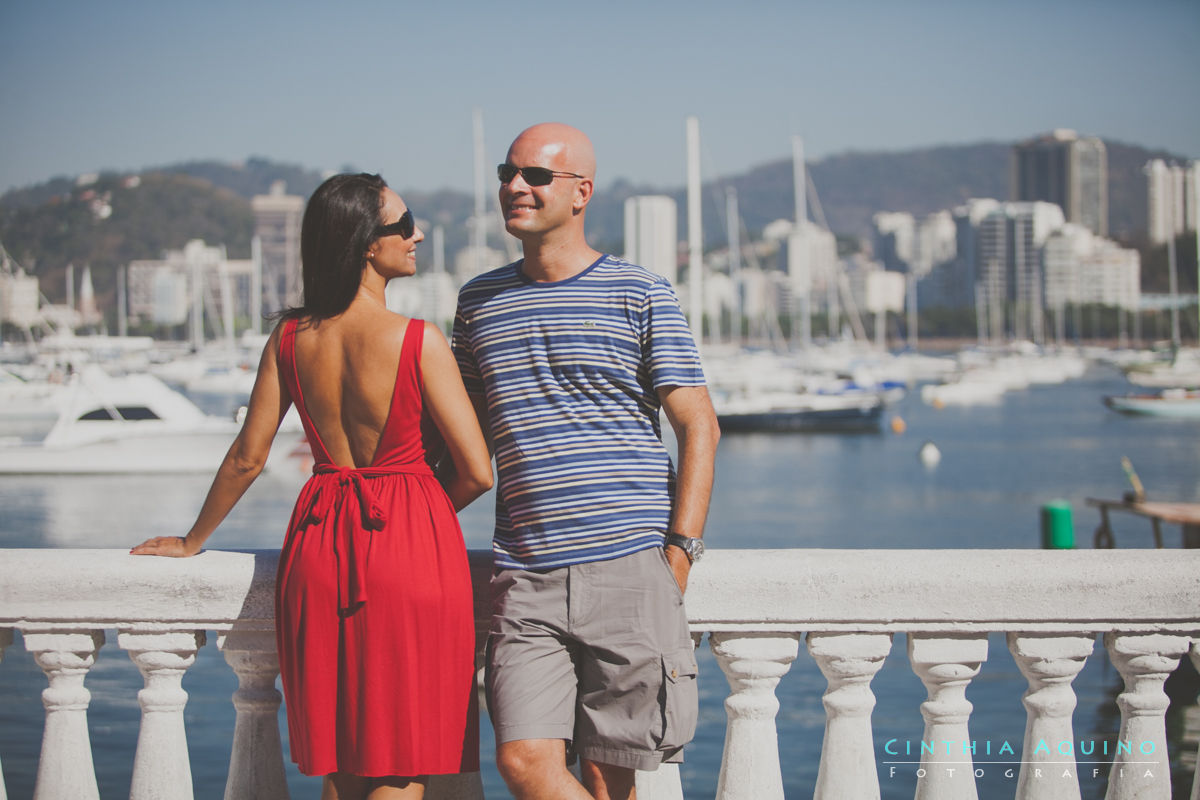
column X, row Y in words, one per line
column 173, row 546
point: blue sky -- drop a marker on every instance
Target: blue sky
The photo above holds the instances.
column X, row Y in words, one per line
column 391, row 86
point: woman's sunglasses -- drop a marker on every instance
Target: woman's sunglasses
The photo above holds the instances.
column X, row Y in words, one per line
column 403, row 226
column 534, row 176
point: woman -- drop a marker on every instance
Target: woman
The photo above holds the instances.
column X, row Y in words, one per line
column 374, row 618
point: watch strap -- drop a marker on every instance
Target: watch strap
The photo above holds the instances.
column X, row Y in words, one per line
column 684, row 543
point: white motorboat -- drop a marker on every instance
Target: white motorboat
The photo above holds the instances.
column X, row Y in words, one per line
column 978, row 387
column 28, row 408
column 131, row 424
column 1182, row 371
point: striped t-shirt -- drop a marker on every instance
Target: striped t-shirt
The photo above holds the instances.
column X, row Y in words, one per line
column 571, row 371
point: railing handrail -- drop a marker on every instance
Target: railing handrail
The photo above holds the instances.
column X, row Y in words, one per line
column 756, row 605
column 780, row 590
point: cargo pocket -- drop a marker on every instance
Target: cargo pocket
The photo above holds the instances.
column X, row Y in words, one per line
column 679, row 699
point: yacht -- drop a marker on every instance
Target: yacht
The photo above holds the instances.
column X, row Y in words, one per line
column 131, row 424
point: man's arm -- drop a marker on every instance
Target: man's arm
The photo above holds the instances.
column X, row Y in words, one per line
column 691, row 414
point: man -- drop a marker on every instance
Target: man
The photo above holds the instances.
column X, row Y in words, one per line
column 568, row 355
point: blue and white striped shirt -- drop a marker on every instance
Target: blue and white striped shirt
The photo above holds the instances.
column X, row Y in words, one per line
column 571, row 371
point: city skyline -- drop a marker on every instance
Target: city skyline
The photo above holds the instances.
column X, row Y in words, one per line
column 376, row 86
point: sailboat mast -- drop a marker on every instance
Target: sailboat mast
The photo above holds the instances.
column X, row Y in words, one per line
column 799, row 267
column 256, row 285
column 122, row 303
column 799, row 181
column 1173, row 281
column 695, row 237
column 478, row 229
column 733, row 224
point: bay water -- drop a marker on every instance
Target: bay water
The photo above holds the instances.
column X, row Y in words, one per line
column 1000, row 463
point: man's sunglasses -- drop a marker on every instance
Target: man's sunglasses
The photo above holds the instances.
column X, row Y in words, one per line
column 534, row 176
column 403, row 226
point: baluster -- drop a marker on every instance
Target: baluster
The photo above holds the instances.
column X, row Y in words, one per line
column 1140, row 768
column 753, row 663
column 660, row 784
column 848, row 661
column 256, row 760
column 65, row 768
column 6, row 638
column 946, row 663
column 1195, row 655
column 1050, row 663
column 161, row 765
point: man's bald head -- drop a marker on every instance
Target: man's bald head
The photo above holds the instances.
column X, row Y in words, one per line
column 556, row 146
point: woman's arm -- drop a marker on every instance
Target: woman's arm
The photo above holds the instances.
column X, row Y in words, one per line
column 269, row 401
column 451, row 410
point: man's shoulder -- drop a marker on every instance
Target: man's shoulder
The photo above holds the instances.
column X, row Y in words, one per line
column 613, row 267
column 489, row 281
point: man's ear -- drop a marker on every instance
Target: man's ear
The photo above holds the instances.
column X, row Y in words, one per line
column 583, row 194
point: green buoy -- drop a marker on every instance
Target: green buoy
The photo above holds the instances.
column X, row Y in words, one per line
column 1058, row 533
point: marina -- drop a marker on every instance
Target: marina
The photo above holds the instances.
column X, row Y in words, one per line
column 797, row 492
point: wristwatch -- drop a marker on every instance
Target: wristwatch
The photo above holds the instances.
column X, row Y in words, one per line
column 692, row 546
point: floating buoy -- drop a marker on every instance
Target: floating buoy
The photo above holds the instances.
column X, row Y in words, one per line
column 929, row 454
column 1057, row 531
column 898, row 425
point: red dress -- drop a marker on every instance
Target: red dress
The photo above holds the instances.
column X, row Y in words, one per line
column 373, row 609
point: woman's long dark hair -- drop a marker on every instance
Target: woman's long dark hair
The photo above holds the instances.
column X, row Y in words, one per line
column 338, row 229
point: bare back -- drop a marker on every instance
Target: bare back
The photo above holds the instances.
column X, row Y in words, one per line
column 346, row 367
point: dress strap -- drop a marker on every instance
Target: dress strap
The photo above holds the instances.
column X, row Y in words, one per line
column 408, row 376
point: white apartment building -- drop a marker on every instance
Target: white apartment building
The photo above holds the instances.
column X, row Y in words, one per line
column 1082, row 269
column 475, row 259
column 651, row 234
column 1173, row 199
column 19, row 299
column 189, row 284
column 895, row 239
column 277, row 219
column 429, row 295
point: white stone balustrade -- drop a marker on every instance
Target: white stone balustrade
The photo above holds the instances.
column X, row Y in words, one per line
column 1145, row 660
column 6, row 638
column 252, row 655
column 946, row 663
column 65, row 768
column 1195, row 655
column 848, row 661
column 1049, row 661
column 754, row 605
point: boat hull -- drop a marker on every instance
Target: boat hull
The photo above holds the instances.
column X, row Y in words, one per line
column 1185, row 407
column 842, row 420
column 183, row 453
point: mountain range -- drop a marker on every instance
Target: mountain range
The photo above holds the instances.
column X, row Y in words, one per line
column 110, row 219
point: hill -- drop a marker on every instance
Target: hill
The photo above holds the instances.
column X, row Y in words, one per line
column 110, row 219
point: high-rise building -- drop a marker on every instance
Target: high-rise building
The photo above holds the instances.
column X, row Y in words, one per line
column 277, row 218
column 1082, row 269
column 651, row 234
column 1068, row 170
column 1173, row 199
column 1009, row 262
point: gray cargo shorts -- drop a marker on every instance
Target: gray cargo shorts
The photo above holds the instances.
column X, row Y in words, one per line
column 597, row 654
